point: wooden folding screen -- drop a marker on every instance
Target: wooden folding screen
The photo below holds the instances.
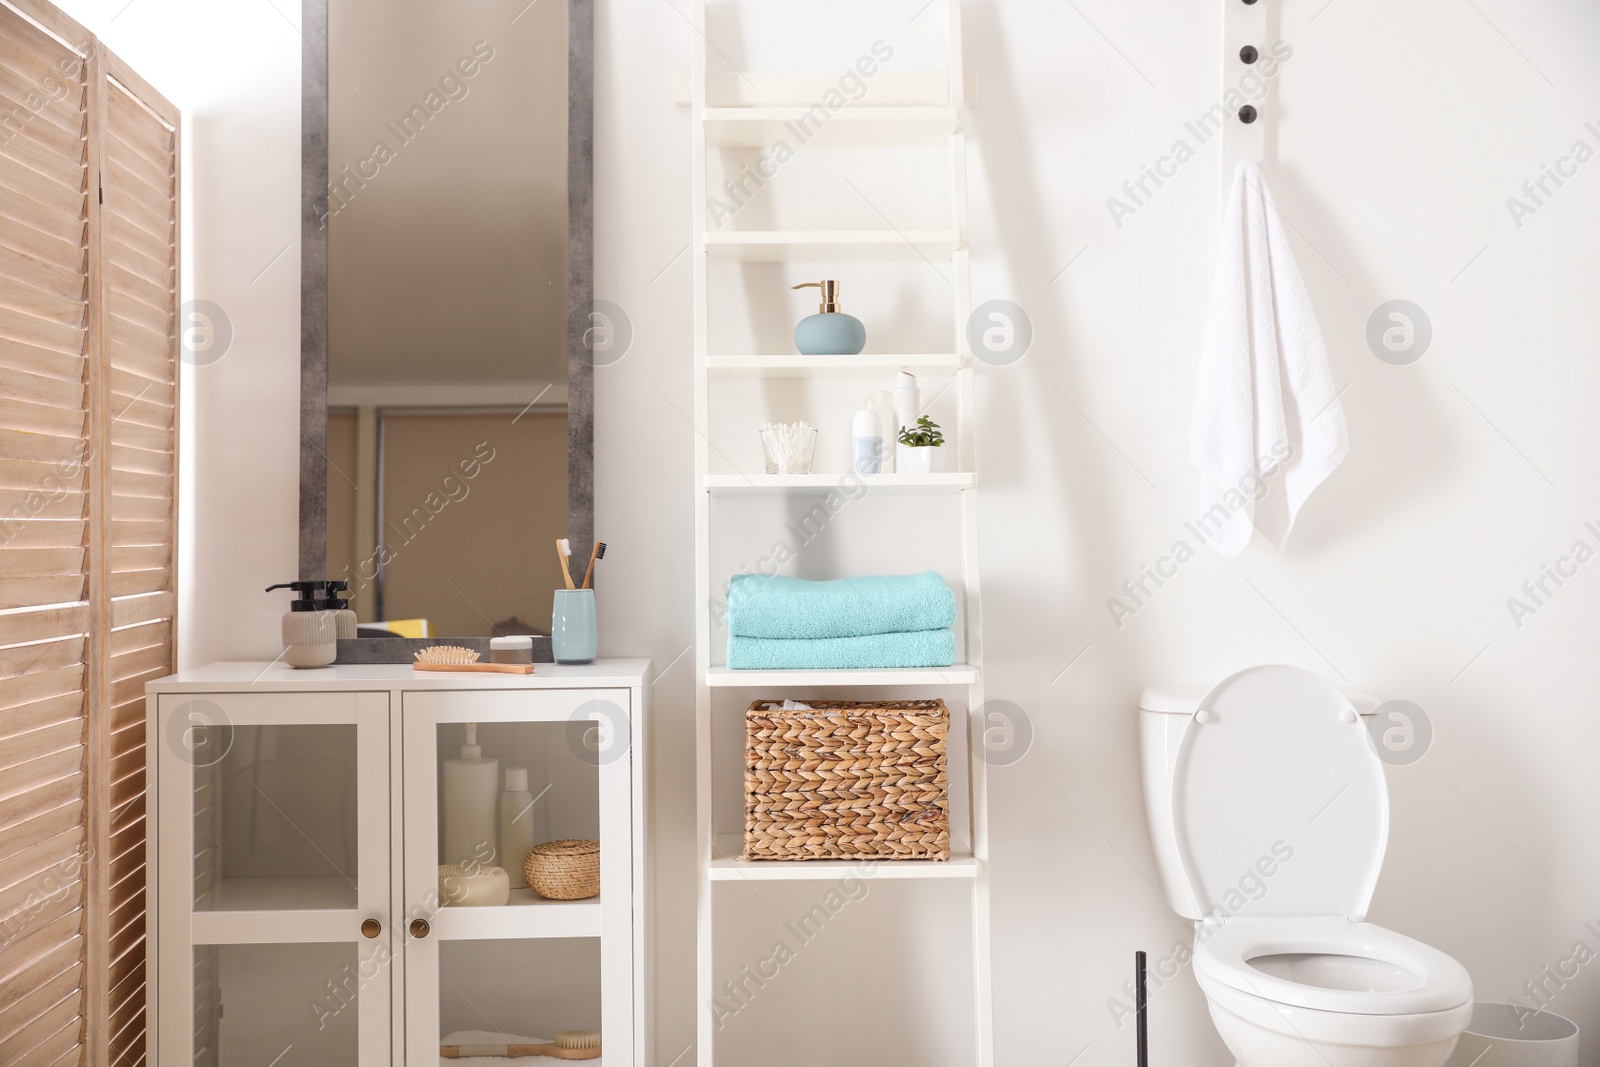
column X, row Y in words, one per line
column 88, row 403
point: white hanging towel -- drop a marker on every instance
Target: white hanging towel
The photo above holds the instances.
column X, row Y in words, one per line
column 1268, row 427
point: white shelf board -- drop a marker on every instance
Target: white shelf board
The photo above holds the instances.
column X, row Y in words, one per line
column 765, row 88
column 832, row 246
column 266, row 911
column 729, row 865
column 757, row 484
column 528, row 915
column 797, row 366
column 850, row 127
column 956, row 674
column 282, row 894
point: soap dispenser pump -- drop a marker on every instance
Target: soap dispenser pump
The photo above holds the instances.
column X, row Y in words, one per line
column 470, row 788
column 830, row 332
column 313, row 624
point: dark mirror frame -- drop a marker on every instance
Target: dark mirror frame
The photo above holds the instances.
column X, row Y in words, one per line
column 314, row 284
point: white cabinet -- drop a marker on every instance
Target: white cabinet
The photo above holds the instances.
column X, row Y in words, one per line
column 294, row 844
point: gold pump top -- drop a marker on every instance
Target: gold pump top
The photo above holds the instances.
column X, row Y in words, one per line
column 830, row 295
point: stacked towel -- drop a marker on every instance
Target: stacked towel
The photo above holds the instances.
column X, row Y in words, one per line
column 777, row 623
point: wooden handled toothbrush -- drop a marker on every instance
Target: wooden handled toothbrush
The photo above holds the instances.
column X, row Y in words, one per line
column 598, row 553
column 563, row 553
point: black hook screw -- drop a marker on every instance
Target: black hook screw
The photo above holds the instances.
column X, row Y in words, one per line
column 1248, row 54
column 1247, row 114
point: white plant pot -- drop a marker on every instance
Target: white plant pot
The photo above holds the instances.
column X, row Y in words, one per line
column 924, row 460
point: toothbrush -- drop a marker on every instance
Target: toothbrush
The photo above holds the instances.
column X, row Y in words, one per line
column 563, row 552
column 598, row 553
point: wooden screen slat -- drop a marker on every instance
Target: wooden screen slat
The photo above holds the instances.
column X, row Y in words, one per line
column 51, row 711
column 41, row 389
column 130, row 532
column 43, row 419
column 41, row 563
column 48, row 96
column 14, row 355
column 42, row 625
column 148, row 509
column 23, row 268
column 43, row 656
column 44, row 297
column 65, row 816
column 44, row 477
column 42, row 221
column 137, row 459
column 50, row 1015
column 58, row 252
column 61, row 531
column 38, row 448
column 142, row 411
column 125, row 283
column 21, row 508
column 25, row 592
column 142, row 609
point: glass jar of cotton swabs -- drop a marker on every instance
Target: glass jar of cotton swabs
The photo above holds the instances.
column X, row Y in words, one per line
column 788, row 447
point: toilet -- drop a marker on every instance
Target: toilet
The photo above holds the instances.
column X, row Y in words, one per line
column 1269, row 815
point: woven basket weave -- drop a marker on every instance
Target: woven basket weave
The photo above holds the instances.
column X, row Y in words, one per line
column 564, row 870
column 846, row 780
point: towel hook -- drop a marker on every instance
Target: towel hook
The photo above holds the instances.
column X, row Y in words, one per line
column 1247, row 114
column 1248, row 54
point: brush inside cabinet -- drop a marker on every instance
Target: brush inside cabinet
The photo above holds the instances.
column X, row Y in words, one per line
column 295, row 844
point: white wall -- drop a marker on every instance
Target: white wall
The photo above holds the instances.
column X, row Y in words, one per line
column 1405, row 128
column 234, row 70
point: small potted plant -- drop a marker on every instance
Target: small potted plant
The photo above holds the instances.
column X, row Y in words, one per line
column 920, row 448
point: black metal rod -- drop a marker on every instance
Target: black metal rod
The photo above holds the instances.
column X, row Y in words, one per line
column 1141, row 1027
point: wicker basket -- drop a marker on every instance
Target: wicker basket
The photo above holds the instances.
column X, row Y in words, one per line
column 564, row 870
column 846, row 780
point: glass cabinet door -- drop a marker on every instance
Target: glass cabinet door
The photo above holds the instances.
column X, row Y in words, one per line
column 530, row 967
column 275, row 945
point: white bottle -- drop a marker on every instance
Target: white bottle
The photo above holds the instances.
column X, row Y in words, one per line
column 907, row 405
column 516, row 825
column 881, row 403
column 866, row 442
column 470, row 786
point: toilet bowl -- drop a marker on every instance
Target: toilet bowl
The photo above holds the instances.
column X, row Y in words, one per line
column 1269, row 814
column 1331, row 993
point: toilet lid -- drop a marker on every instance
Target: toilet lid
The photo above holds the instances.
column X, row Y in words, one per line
column 1279, row 800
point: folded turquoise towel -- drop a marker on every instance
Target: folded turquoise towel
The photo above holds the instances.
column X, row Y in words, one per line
column 792, row 608
column 920, row 648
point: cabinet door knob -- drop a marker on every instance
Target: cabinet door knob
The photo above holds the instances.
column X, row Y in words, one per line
column 371, row 928
column 419, row 927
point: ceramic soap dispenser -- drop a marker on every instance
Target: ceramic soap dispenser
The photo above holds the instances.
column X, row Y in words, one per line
column 830, row 332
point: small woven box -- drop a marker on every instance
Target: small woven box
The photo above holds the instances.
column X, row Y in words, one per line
column 564, row 870
column 847, row 780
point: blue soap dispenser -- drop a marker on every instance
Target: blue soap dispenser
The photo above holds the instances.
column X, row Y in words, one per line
column 830, row 332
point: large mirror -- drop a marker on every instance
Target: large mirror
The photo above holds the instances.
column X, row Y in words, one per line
column 446, row 289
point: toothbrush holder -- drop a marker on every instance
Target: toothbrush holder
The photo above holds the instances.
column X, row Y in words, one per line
column 573, row 637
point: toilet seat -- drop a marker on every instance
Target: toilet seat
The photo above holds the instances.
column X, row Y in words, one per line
column 1420, row 978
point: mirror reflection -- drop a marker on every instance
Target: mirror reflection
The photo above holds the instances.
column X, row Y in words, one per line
column 447, row 362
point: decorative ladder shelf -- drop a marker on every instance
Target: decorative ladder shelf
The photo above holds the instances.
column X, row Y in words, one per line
column 930, row 116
